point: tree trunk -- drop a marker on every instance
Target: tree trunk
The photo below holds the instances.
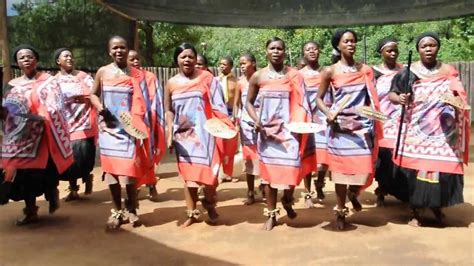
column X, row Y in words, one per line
column 149, row 45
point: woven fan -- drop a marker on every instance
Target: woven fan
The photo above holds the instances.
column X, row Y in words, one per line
column 370, row 113
column 304, row 128
column 126, row 121
column 454, row 101
column 219, row 129
column 343, row 103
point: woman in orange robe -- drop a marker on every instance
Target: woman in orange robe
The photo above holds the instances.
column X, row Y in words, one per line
column 384, row 74
column 352, row 138
column 317, row 143
column 155, row 121
column 36, row 146
column 434, row 144
column 124, row 158
column 281, row 95
column 248, row 136
column 191, row 98
column 81, row 116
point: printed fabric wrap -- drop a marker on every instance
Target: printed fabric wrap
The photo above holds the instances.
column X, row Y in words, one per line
column 120, row 153
column 248, row 135
column 280, row 151
column 392, row 111
column 81, row 117
column 435, row 135
column 353, row 142
column 318, row 144
column 35, row 128
column 193, row 103
column 154, row 119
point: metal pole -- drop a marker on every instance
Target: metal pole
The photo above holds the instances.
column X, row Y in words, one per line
column 291, row 58
column 365, row 49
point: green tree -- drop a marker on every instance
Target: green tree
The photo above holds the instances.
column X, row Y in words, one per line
column 457, row 38
column 84, row 26
column 158, row 41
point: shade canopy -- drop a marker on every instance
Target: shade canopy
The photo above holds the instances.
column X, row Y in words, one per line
column 290, row 13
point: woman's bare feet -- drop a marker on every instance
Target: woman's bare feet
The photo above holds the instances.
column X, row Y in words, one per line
column 415, row 219
column 271, row 221
column 193, row 216
column 308, row 199
column 211, row 211
column 250, row 198
column 115, row 219
column 341, row 217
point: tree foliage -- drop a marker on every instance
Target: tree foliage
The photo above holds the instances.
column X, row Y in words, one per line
column 81, row 25
column 85, row 26
column 158, row 41
column 457, row 40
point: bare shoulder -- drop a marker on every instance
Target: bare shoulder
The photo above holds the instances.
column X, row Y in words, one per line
column 445, row 67
column 328, row 71
column 102, row 71
column 257, row 76
column 172, row 80
column 15, row 82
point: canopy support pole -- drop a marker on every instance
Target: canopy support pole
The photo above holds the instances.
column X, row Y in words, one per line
column 4, row 43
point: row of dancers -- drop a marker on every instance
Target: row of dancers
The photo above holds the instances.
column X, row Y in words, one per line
column 416, row 151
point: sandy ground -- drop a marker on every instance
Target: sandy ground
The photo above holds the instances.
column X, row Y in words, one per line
column 75, row 234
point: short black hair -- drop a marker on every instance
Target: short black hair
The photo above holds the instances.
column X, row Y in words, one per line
column 204, row 58
column 118, row 37
column 250, row 57
column 336, row 37
column 308, row 42
column 229, row 60
column 181, row 48
column 275, row 39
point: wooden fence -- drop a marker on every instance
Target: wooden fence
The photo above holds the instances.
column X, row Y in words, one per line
column 466, row 74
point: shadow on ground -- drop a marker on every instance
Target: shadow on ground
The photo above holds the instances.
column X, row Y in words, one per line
column 84, row 240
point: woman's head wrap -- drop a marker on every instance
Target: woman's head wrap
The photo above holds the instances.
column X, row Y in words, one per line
column 385, row 42
column 428, row 34
column 58, row 52
column 25, row 46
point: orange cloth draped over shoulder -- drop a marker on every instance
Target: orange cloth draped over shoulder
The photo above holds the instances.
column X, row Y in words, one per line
column 193, row 102
column 359, row 158
column 120, row 153
column 280, row 151
column 28, row 142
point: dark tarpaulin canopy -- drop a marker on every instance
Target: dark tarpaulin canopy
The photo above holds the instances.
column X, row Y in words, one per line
column 290, row 13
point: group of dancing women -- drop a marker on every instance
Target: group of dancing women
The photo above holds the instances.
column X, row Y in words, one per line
column 405, row 126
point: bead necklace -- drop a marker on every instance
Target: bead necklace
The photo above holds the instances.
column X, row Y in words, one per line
column 429, row 71
column 310, row 72
column 182, row 79
column 272, row 74
column 348, row 69
column 119, row 71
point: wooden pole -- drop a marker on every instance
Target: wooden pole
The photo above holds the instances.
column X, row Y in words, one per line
column 4, row 43
column 134, row 35
column 118, row 12
column 133, row 29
